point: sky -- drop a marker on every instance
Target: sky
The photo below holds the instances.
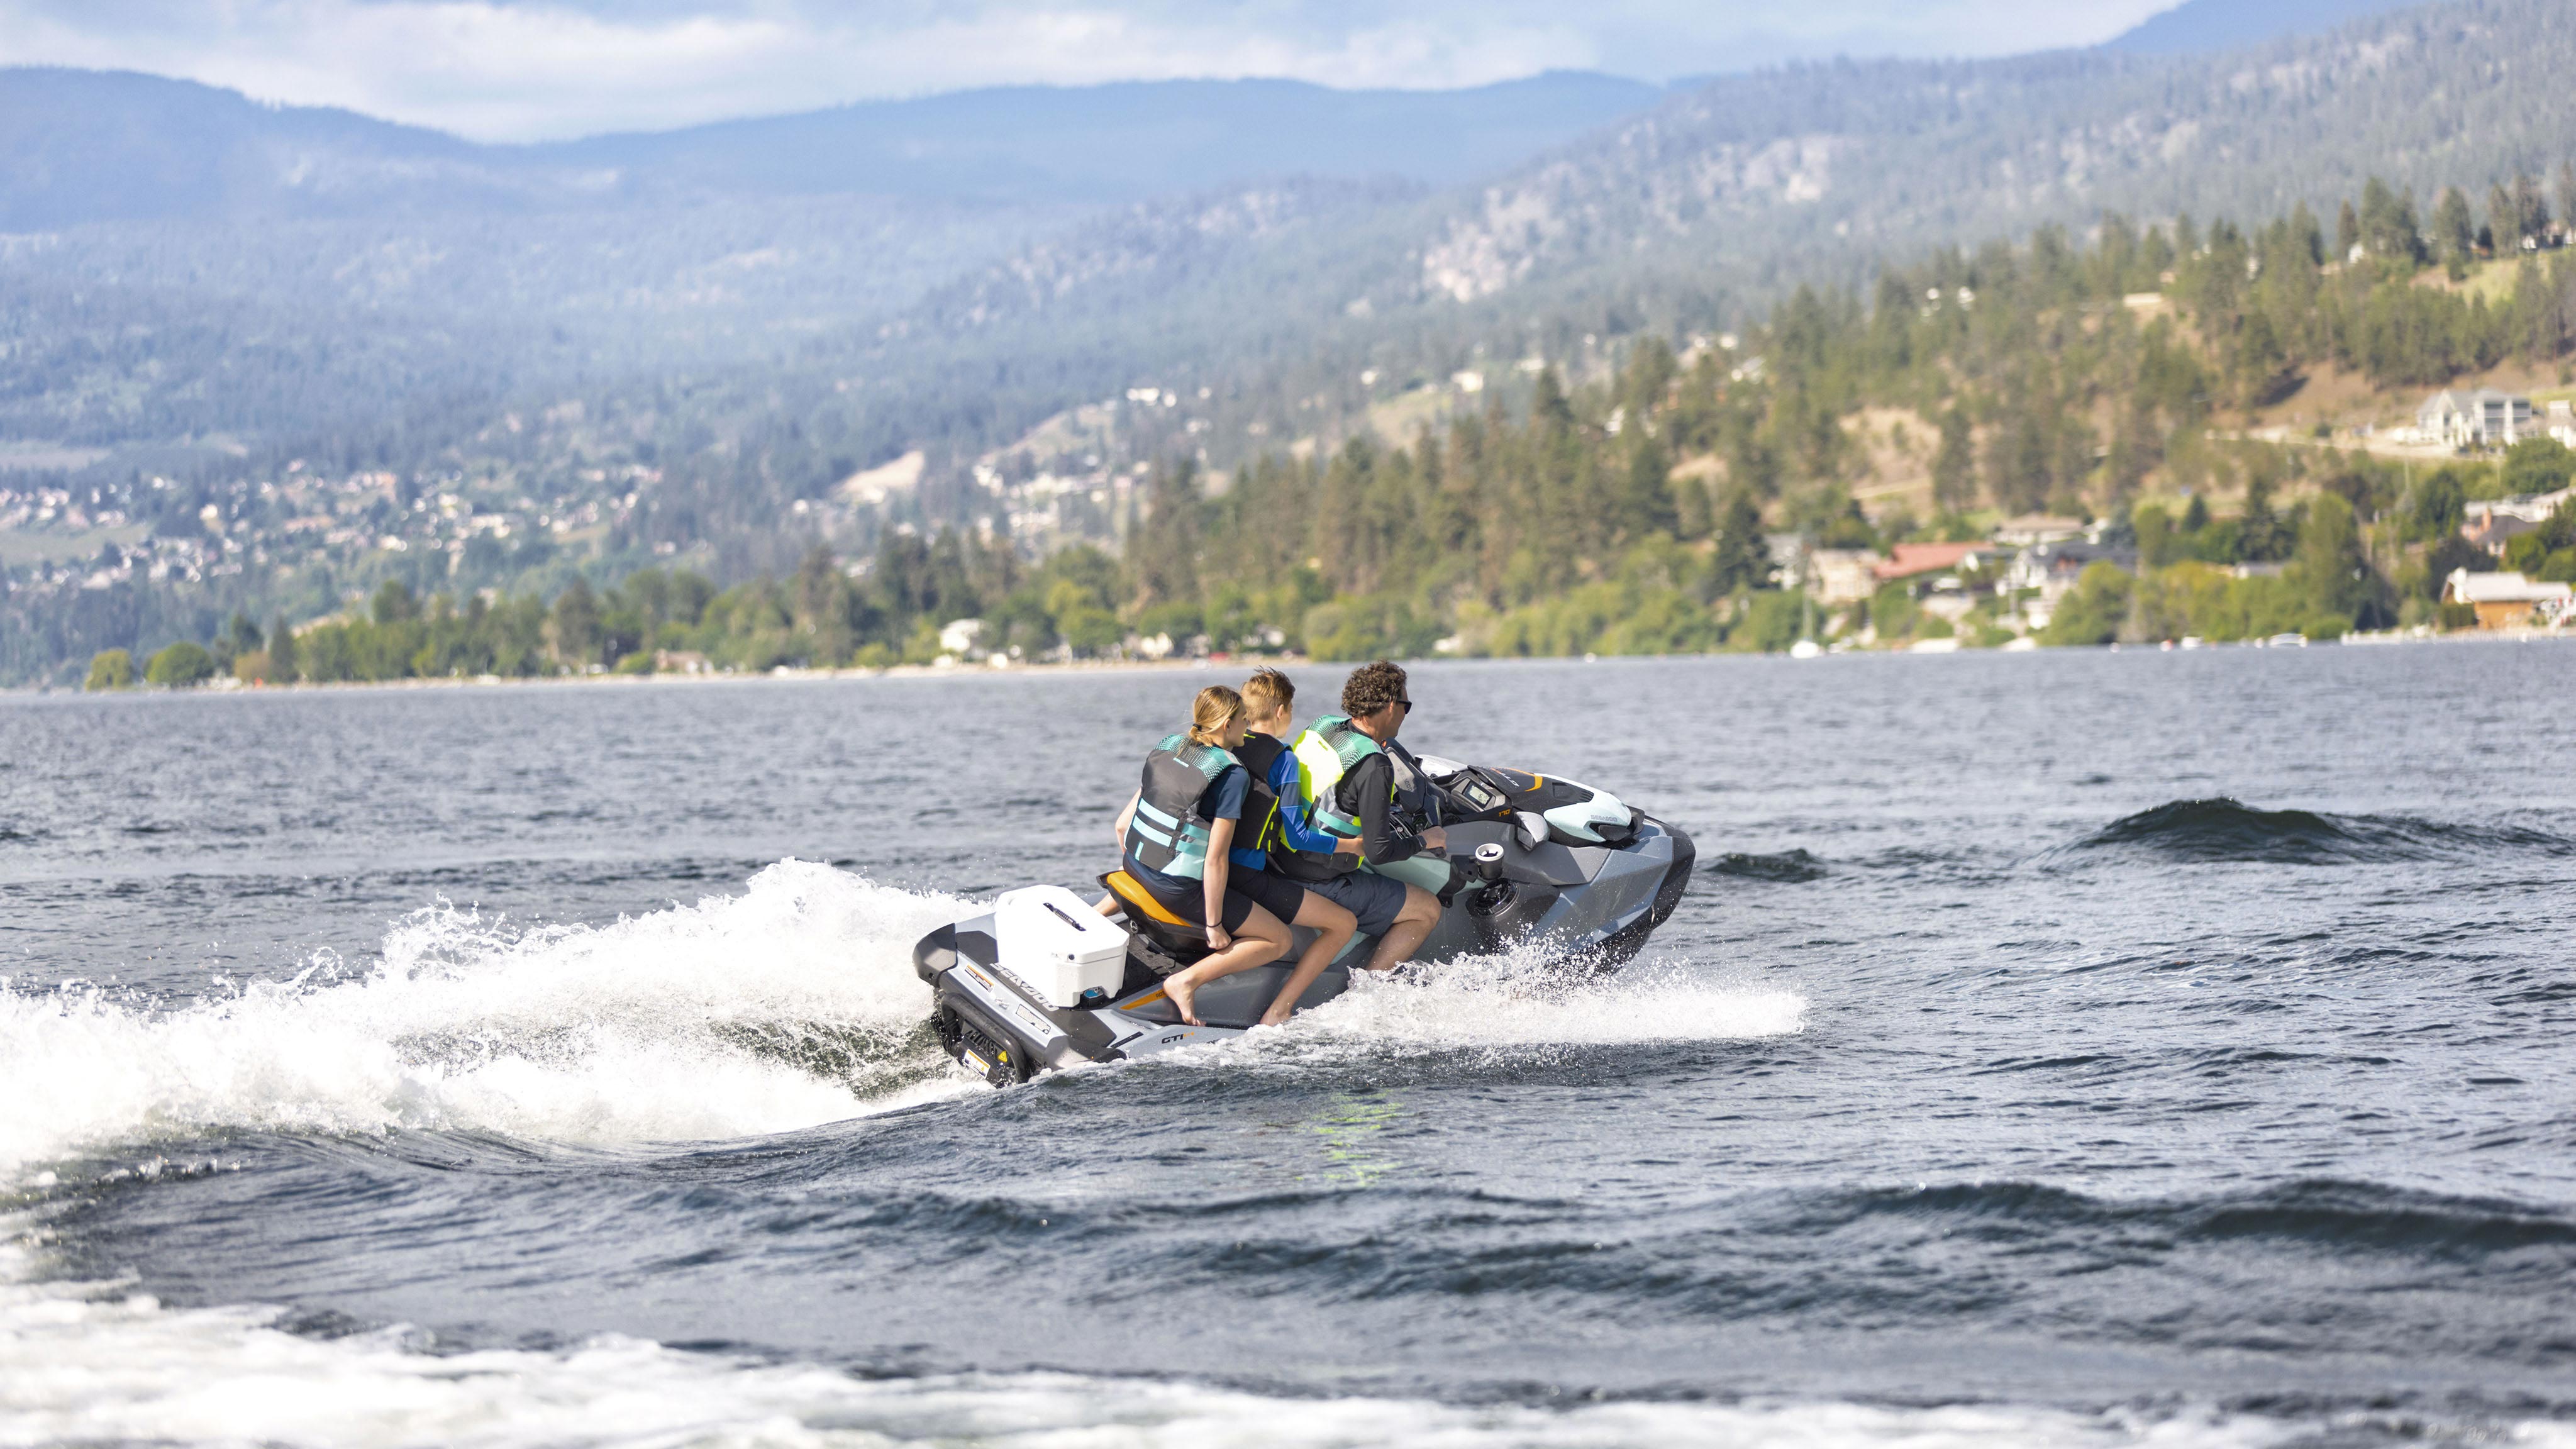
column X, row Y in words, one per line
column 523, row 70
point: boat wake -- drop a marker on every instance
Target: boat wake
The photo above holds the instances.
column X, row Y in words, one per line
column 789, row 1005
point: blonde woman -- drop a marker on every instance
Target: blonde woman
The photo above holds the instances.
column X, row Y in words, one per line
column 1178, row 835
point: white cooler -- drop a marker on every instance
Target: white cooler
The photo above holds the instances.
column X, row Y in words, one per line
column 1053, row 940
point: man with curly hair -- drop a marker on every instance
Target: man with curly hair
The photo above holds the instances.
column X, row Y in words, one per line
column 1347, row 768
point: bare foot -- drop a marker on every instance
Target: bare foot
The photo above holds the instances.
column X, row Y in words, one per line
column 1274, row 1018
column 1182, row 993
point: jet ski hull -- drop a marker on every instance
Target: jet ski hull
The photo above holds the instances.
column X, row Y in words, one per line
column 997, row 1025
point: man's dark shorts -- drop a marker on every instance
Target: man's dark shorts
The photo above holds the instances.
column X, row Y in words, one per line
column 1374, row 899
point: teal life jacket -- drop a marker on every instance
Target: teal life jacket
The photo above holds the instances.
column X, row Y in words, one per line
column 1167, row 833
column 1326, row 754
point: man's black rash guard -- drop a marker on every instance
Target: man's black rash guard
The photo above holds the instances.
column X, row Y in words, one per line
column 1371, row 781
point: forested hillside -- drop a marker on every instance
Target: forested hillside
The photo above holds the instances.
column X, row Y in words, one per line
column 614, row 409
column 182, row 264
column 1636, row 513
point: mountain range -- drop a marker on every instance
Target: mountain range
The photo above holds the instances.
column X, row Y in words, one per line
column 945, row 273
column 81, row 147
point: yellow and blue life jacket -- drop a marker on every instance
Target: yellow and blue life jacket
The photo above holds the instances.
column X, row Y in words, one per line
column 1326, row 754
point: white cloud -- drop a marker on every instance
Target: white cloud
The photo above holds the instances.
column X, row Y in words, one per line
column 499, row 70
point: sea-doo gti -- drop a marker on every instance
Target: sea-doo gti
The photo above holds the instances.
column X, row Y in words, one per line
column 1044, row 981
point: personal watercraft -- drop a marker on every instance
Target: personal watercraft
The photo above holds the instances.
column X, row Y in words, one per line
column 1044, row 981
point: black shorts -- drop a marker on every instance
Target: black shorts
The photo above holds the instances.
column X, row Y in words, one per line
column 1244, row 889
column 1373, row 900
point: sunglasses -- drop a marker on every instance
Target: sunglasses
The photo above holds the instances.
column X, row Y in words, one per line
column 1405, row 704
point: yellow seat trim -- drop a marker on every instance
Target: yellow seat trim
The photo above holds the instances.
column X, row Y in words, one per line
column 1136, row 897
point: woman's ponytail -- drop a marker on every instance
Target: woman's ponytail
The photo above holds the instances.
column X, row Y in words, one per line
column 1214, row 709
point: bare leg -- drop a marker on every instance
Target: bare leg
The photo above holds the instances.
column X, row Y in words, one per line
column 1421, row 911
column 1111, row 906
column 1261, row 940
column 1333, row 926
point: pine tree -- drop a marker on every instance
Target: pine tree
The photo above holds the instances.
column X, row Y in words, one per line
column 2455, row 231
column 1954, row 463
column 1164, row 550
column 281, row 649
column 1742, row 559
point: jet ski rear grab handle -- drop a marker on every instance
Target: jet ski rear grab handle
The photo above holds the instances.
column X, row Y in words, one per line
column 1085, row 988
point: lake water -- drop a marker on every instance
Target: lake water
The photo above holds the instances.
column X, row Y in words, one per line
column 544, row 1065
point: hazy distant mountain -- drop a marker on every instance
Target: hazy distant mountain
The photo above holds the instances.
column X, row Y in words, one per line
column 85, row 146
column 1816, row 170
column 943, row 318
column 375, row 265
column 1716, row 203
column 1123, row 142
column 2198, row 26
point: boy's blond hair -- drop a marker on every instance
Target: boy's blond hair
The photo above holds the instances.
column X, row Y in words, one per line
column 1268, row 693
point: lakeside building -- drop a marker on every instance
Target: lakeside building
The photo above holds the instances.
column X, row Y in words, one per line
column 2474, row 418
column 1912, row 560
column 2490, row 525
column 1843, row 575
column 2508, row 600
column 2037, row 530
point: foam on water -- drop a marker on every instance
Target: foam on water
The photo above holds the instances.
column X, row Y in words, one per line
column 1519, row 1006
column 788, row 1005
column 684, row 1024
column 1524, row 999
column 101, row 1366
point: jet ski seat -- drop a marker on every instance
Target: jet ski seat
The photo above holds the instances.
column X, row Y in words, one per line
column 1183, row 940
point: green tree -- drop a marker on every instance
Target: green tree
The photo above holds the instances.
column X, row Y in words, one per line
column 2093, row 611
column 2157, row 546
column 1954, row 463
column 395, row 603
column 2455, row 232
column 1742, row 558
column 282, row 664
column 180, row 666
column 576, row 621
column 1770, row 622
column 2330, row 566
column 110, row 669
column 1164, row 553
column 2260, row 535
column 2538, row 465
column 1093, row 632
column 2388, row 226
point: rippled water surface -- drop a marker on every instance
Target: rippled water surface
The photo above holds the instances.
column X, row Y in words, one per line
column 2060, row 1048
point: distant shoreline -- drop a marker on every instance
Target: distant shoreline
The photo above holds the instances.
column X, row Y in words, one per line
column 508, row 681
column 1163, row 666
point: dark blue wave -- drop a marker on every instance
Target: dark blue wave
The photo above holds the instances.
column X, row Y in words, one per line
column 2224, row 829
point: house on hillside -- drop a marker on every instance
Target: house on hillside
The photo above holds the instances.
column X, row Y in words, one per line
column 1843, row 575
column 2491, row 524
column 2508, row 600
column 958, row 636
column 1914, row 560
column 2051, row 569
column 2474, row 418
column 2037, row 530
